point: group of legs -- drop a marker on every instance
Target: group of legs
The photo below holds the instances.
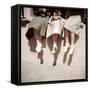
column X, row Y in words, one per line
column 70, row 31
column 69, row 39
column 53, row 27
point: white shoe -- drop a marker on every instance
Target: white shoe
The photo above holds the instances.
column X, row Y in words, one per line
column 66, row 47
column 71, row 50
column 54, row 49
column 39, row 48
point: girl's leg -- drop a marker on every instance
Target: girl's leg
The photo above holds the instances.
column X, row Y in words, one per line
column 38, row 41
column 54, row 39
column 72, row 39
column 66, row 40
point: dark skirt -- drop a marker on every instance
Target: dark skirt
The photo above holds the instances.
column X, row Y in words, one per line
column 39, row 24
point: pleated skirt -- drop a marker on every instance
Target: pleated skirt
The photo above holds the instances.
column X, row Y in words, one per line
column 73, row 23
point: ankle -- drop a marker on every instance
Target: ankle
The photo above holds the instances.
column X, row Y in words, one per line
column 38, row 43
column 72, row 46
column 54, row 44
column 67, row 44
column 71, row 51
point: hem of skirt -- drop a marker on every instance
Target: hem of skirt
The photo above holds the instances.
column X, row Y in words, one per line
column 72, row 31
column 52, row 34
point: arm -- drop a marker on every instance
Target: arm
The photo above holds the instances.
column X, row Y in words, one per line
column 50, row 20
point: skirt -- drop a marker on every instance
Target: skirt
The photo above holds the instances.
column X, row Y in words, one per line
column 39, row 24
column 55, row 27
column 73, row 24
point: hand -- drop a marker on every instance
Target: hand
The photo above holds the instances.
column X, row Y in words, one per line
column 81, row 25
column 48, row 23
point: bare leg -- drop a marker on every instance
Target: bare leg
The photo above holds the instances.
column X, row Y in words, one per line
column 66, row 37
column 72, row 38
column 38, row 41
column 54, row 39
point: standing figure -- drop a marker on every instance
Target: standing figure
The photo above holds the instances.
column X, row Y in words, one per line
column 72, row 28
column 38, row 25
column 55, row 28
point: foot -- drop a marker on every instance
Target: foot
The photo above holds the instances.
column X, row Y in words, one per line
column 66, row 47
column 71, row 50
column 54, row 49
column 39, row 48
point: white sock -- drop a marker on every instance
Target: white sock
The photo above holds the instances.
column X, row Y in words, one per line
column 38, row 43
column 66, row 47
column 39, row 46
column 54, row 44
column 71, row 50
column 54, row 48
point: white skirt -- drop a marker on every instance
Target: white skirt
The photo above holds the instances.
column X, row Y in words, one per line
column 73, row 23
column 55, row 27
